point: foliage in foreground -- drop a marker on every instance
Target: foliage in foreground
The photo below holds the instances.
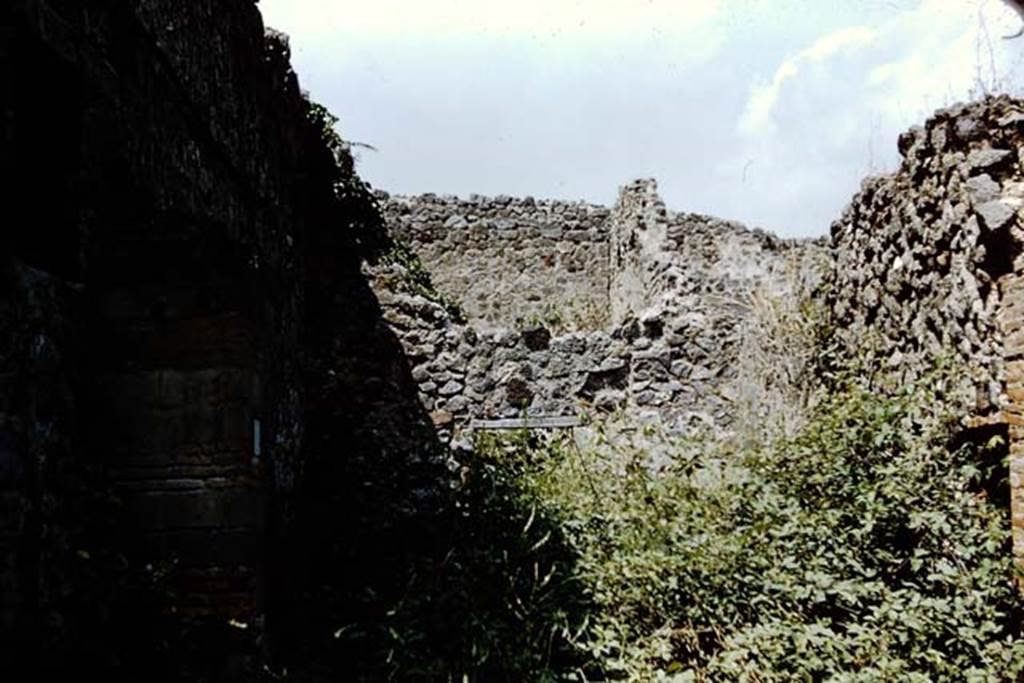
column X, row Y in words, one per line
column 867, row 548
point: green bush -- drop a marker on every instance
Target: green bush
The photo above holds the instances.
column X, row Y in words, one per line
column 412, row 277
column 867, row 548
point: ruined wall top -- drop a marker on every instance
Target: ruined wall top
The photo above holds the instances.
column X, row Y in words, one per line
column 573, row 265
column 502, row 212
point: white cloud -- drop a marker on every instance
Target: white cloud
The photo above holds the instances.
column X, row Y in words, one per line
column 938, row 52
column 832, row 110
column 757, row 118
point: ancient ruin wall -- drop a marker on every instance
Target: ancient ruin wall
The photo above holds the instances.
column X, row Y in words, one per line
column 683, row 288
column 176, row 265
column 509, row 260
column 679, row 259
column 170, row 271
column 637, row 249
column 926, row 265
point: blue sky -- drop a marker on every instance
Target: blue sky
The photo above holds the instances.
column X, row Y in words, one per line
column 765, row 111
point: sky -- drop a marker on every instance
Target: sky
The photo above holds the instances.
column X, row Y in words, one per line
column 769, row 112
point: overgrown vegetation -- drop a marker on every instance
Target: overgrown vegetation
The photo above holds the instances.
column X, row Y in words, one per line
column 572, row 316
column 350, row 205
column 782, row 335
column 325, row 123
column 864, row 544
column 865, row 548
column 403, row 271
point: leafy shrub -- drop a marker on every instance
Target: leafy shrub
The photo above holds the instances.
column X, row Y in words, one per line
column 402, row 270
column 480, row 593
column 782, row 338
column 866, row 548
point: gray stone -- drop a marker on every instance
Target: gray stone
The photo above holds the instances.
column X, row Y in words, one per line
column 458, row 404
column 646, row 397
column 996, row 214
column 967, row 128
column 551, row 231
column 506, row 338
column 982, row 188
column 450, row 388
column 702, row 373
column 422, row 351
column 455, row 222
column 669, row 388
column 983, row 159
column 680, row 368
column 609, row 399
column 611, row 364
column 1015, row 119
column 569, row 345
column 661, row 356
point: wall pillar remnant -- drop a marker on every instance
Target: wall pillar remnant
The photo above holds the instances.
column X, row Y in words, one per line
column 1011, row 319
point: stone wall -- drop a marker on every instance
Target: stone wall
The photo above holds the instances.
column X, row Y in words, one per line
column 37, row 427
column 686, row 260
column 638, row 250
column 926, row 265
column 180, row 236
column 509, row 260
column 170, row 155
column 682, row 287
